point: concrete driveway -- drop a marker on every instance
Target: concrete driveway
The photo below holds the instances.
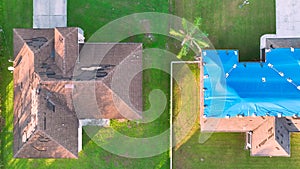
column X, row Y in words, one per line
column 288, row 18
column 49, row 13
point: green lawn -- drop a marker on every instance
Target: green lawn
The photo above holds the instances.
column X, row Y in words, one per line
column 226, row 150
column 12, row 14
column 89, row 15
column 186, row 102
column 230, row 27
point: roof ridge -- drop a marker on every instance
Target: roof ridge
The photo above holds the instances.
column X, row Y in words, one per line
column 58, row 143
column 284, row 125
column 24, row 42
column 73, row 29
column 32, row 49
column 114, row 93
column 122, row 101
column 274, row 127
column 113, row 70
column 52, row 139
column 45, row 44
column 289, row 137
column 19, row 150
column 289, row 153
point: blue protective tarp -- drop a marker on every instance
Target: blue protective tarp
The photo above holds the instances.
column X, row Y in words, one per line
column 233, row 88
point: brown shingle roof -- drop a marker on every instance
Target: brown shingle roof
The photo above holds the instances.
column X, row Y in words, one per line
column 109, row 102
column 233, row 124
column 41, row 145
column 45, row 118
column 267, row 141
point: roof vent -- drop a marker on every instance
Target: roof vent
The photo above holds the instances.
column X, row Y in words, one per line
column 51, row 105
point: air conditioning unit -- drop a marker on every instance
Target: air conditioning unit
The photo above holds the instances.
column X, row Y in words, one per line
column 81, row 37
column 248, row 140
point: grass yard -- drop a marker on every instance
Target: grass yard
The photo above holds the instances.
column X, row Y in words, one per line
column 230, row 27
column 186, row 102
column 226, row 150
column 89, row 15
column 13, row 14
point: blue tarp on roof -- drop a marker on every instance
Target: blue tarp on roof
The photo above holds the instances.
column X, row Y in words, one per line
column 233, row 88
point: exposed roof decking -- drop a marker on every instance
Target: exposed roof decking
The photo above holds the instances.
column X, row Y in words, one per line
column 109, row 56
column 22, row 36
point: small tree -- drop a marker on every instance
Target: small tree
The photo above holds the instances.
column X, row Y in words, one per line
column 190, row 38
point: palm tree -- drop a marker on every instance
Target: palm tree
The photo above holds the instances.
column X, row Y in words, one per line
column 190, row 37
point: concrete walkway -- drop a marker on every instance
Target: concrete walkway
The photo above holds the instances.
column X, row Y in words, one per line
column 49, row 13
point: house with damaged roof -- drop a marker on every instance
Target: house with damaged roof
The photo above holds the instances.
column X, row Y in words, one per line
column 261, row 98
column 58, row 88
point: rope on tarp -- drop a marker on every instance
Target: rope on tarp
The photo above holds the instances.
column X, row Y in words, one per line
column 271, row 66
